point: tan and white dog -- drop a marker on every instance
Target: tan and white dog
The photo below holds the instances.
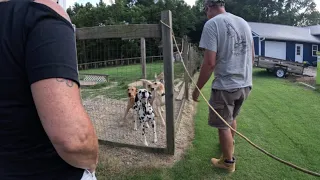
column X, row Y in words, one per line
column 159, row 77
column 132, row 92
column 158, row 97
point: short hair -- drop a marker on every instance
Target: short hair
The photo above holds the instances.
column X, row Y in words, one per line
column 211, row 3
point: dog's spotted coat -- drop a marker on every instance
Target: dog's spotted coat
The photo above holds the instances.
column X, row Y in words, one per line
column 145, row 114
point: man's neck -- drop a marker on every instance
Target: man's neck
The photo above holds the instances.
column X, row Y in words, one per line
column 221, row 10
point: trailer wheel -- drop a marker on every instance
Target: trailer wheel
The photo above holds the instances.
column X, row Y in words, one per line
column 280, row 72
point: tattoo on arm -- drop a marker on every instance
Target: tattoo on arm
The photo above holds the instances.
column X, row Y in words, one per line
column 68, row 82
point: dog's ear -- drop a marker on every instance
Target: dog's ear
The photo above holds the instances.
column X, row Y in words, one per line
column 136, row 99
column 150, row 95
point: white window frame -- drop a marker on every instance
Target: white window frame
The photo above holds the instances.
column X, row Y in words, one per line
column 314, row 45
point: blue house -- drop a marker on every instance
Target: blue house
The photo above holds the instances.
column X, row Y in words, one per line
column 290, row 43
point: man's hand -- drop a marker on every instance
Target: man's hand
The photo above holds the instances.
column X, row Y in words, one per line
column 206, row 70
column 195, row 95
column 92, row 169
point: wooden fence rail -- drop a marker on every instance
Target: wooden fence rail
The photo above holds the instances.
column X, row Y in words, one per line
column 133, row 31
column 115, row 62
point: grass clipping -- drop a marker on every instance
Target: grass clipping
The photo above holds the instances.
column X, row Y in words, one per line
column 114, row 160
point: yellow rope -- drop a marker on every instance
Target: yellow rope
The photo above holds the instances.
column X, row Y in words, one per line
column 244, row 137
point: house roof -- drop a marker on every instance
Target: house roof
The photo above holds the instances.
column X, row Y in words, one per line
column 283, row 32
column 315, row 30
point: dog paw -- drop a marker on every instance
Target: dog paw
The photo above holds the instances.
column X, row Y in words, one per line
column 146, row 144
column 155, row 140
column 135, row 129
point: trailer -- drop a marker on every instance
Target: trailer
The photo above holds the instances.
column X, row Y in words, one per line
column 279, row 67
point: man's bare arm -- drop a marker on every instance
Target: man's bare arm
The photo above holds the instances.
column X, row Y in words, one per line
column 207, row 68
column 253, row 52
column 58, row 100
column 66, row 122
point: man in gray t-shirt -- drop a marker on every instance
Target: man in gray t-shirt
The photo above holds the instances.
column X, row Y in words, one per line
column 229, row 53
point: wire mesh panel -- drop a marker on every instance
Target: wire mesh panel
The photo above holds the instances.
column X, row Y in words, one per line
column 95, row 78
column 116, row 66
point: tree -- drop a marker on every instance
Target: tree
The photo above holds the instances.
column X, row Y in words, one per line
column 190, row 20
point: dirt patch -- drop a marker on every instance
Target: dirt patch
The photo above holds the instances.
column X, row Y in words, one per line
column 308, row 77
column 116, row 159
column 107, row 114
column 305, row 79
column 308, row 80
column 310, row 71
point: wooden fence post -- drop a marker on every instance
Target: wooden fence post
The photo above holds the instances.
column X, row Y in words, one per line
column 185, row 46
column 192, row 61
column 167, row 45
column 143, row 60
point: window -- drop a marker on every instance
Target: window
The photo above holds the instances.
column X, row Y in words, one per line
column 314, row 50
column 298, row 50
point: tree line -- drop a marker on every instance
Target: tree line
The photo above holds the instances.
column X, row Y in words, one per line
column 186, row 20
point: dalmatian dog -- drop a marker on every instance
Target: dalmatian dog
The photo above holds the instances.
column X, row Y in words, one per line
column 144, row 114
column 158, row 97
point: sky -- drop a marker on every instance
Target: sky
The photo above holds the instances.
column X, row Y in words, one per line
column 190, row 2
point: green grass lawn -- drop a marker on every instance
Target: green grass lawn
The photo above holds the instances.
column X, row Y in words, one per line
column 281, row 117
column 123, row 75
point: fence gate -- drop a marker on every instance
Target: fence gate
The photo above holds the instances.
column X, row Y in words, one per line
column 119, row 56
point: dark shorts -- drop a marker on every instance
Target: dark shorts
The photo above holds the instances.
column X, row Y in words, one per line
column 227, row 104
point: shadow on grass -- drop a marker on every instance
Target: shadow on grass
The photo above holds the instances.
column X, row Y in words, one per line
column 263, row 73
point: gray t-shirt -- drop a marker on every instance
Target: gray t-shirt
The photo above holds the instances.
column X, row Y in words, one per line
column 230, row 37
